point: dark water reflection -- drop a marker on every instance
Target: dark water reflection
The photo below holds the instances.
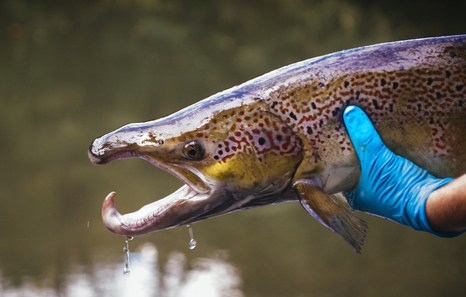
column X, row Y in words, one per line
column 71, row 72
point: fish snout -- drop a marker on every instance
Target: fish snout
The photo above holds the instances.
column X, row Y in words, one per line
column 96, row 159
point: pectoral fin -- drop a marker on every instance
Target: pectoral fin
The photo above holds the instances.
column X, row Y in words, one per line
column 331, row 214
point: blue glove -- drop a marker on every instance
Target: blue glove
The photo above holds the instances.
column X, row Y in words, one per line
column 390, row 185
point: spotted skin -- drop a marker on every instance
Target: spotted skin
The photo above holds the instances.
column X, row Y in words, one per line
column 252, row 131
column 425, row 94
column 423, row 101
column 246, row 129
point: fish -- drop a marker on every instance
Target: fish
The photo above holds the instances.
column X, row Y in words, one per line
column 280, row 137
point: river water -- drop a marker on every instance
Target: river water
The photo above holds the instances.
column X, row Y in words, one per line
column 72, row 72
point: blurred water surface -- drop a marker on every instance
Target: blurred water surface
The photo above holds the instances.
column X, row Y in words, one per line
column 71, row 71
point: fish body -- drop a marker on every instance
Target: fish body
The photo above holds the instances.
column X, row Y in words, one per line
column 280, row 137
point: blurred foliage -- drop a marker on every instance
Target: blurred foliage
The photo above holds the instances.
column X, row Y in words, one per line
column 73, row 70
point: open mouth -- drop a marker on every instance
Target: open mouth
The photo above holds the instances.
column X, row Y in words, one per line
column 184, row 206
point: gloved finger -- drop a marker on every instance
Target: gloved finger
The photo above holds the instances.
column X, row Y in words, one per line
column 365, row 138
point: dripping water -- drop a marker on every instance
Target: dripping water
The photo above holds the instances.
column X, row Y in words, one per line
column 192, row 242
column 126, row 270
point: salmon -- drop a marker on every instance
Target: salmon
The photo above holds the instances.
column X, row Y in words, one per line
column 281, row 137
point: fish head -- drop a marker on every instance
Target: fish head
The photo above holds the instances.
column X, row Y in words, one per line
column 229, row 159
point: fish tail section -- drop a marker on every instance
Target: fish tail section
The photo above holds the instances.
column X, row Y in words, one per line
column 331, row 214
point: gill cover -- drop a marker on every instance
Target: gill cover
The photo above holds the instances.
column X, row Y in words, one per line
column 250, row 149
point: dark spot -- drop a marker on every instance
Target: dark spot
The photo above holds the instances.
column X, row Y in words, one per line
column 292, row 115
column 313, row 105
column 346, row 84
column 321, row 122
column 448, row 74
column 429, row 81
column 261, row 141
column 309, row 130
column 335, row 112
column 220, row 145
column 220, row 152
column 192, row 152
column 460, row 103
column 161, row 142
column 383, row 82
column 274, row 104
column 216, row 157
column 376, row 105
column 459, row 87
column 395, row 85
column 279, row 137
column 438, row 95
column 321, row 85
column 419, row 107
column 390, row 107
column 431, row 121
column 357, row 95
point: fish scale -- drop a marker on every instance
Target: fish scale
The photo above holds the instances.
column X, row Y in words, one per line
column 420, row 94
column 281, row 137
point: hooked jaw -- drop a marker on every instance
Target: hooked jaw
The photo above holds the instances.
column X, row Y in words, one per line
column 193, row 202
column 172, row 211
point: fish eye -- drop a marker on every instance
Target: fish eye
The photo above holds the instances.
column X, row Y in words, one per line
column 193, row 151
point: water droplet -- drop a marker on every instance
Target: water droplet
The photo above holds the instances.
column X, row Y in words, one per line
column 192, row 242
column 126, row 270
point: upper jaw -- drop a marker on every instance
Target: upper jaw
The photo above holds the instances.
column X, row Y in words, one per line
column 201, row 185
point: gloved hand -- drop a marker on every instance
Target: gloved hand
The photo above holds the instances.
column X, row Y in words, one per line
column 390, row 186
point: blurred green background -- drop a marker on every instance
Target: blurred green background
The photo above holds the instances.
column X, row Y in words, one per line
column 71, row 71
